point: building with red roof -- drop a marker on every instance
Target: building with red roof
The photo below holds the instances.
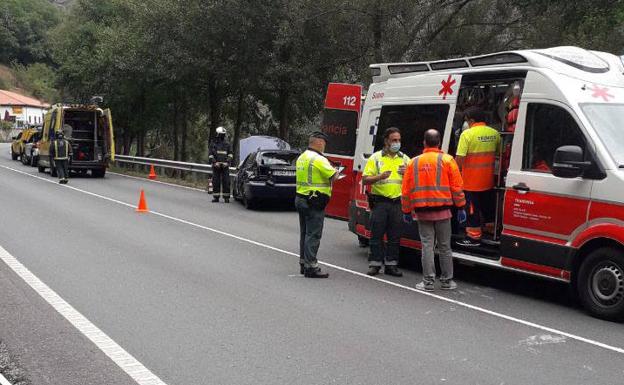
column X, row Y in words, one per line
column 22, row 110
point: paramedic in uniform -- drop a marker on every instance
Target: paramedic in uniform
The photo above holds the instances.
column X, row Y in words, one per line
column 476, row 156
column 384, row 171
column 432, row 185
column 220, row 156
column 59, row 151
column 314, row 178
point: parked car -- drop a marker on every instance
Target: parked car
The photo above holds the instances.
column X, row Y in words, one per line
column 266, row 175
column 17, row 146
column 30, row 154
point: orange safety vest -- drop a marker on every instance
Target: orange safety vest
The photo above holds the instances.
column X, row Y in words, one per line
column 480, row 145
column 432, row 181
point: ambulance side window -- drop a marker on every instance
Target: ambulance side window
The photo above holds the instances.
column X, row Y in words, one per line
column 413, row 121
column 548, row 127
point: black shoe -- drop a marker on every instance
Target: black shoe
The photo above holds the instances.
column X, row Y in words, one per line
column 227, row 200
column 301, row 269
column 215, row 199
column 393, row 271
column 315, row 272
column 467, row 242
column 373, row 270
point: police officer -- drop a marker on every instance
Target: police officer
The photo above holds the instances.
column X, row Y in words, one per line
column 476, row 155
column 314, row 178
column 384, row 171
column 220, row 156
column 59, row 151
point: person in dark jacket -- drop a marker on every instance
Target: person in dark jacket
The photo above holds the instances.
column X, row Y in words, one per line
column 220, row 157
column 59, row 151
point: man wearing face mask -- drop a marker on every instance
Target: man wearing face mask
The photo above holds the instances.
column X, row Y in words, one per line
column 384, row 171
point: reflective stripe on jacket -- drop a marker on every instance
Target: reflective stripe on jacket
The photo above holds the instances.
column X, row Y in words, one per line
column 64, row 149
column 378, row 163
column 314, row 173
column 479, row 146
column 432, row 180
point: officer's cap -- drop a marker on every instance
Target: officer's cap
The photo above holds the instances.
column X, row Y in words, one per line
column 320, row 135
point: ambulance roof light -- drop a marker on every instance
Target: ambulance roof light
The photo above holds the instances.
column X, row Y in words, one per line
column 449, row 64
column 499, row 58
column 407, row 68
column 576, row 57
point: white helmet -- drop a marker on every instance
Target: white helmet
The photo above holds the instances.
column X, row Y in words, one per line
column 220, row 130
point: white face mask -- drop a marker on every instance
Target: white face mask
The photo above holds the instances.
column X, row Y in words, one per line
column 395, row 147
column 465, row 126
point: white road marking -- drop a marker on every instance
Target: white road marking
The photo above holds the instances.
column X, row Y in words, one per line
column 353, row 272
column 116, row 353
column 4, row 381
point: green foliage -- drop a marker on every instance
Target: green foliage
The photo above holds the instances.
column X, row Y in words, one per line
column 24, row 26
column 38, row 79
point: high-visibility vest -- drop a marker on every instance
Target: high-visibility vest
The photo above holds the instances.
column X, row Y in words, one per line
column 314, row 173
column 64, row 148
column 379, row 163
column 432, row 181
column 479, row 146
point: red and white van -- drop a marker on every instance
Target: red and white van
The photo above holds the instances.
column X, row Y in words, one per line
column 559, row 201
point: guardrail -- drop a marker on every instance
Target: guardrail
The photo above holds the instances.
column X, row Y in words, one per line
column 171, row 164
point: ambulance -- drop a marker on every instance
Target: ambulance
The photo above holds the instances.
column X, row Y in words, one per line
column 558, row 204
column 89, row 130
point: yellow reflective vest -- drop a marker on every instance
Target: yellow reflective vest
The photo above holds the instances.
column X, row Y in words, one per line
column 314, row 173
column 381, row 162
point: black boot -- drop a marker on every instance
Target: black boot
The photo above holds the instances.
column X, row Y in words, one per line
column 373, row 270
column 227, row 199
column 393, row 271
column 215, row 199
column 314, row 272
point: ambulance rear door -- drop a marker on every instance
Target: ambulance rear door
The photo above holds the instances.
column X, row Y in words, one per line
column 340, row 121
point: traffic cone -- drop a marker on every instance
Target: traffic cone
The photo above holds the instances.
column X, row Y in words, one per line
column 142, row 208
column 152, row 174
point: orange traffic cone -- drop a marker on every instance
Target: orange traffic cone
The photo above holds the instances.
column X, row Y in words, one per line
column 142, row 208
column 152, row 174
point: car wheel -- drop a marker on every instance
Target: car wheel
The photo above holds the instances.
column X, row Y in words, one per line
column 600, row 283
column 248, row 202
column 24, row 159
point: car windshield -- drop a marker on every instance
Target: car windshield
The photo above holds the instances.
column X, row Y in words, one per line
column 608, row 121
column 279, row 158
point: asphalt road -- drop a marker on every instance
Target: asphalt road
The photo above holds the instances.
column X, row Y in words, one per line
column 204, row 293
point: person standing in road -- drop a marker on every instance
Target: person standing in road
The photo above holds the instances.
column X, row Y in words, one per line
column 220, row 156
column 476, row 156
column 314, row 186
column 384, row 171
column 432, row 185
column 59, row 151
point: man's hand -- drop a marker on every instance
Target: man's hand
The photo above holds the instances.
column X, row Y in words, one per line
column 385, row 175
column 407, row 218
column 401, row 170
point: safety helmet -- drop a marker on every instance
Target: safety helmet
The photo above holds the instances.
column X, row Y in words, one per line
column 220, row 130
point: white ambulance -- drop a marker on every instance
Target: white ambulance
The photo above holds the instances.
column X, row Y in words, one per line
column 558, row 207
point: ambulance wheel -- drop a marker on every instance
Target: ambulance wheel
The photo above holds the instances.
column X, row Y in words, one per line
column 600, row 283
column 98, row 172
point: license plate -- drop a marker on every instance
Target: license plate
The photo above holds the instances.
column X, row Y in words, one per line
column 283, row 173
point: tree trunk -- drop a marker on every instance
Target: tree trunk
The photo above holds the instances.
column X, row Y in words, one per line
column 239, row 122
column 214, row 100
column 141, row 144
column 184, row 121
column 176, row 144
column 283, row 113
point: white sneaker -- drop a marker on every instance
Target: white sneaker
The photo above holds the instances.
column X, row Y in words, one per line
column 425, row 286
column 448, row 285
